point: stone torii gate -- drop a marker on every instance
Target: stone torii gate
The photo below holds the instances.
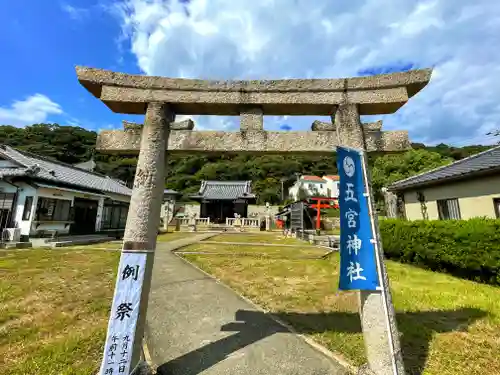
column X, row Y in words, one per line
column 160, row 99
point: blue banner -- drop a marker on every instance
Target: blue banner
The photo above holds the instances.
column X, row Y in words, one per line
column 358, row 267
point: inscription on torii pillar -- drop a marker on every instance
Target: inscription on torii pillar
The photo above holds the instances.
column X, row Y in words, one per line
column 160, row 99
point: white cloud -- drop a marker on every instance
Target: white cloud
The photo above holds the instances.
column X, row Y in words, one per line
column 210, row 122
column 75, row 13
column 274, row 39
column 34, row 109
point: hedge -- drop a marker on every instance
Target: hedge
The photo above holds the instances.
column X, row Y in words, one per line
column 466, row 248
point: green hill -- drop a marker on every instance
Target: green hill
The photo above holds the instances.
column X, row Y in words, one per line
column 74, row 144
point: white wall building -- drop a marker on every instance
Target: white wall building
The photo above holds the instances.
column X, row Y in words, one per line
column 39, row 196
column 332, row 186
column 326, row 186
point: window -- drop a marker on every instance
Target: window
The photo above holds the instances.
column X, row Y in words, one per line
column 49, row 209
column 6, row 201
column 123, row 217
column 321, row 186
column 28, row 205
column 448, row 209
column 114, row 215
column 61, row 210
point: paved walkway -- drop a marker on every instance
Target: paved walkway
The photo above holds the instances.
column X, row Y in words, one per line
column 197, row 326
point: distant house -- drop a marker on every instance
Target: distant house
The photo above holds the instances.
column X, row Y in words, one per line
column 39, row 195
column 326, row 186
column 222, row 199
column 467, row 188
column 332, row 186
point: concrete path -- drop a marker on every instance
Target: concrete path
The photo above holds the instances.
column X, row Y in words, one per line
column 197, row 326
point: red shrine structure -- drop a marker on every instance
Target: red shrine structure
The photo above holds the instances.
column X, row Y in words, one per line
column 318, row 205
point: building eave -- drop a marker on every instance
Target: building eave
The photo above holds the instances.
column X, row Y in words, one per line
column 478, row 164
column 444, row 181
column 71, row 189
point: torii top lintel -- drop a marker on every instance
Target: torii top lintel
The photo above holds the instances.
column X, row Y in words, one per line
column 129, row 94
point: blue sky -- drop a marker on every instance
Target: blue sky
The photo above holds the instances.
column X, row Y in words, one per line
column 42, row 41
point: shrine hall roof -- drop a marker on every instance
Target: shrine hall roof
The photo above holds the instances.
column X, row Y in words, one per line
column 224, row 190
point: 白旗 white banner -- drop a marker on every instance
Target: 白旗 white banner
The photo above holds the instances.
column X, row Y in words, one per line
column 124, row 314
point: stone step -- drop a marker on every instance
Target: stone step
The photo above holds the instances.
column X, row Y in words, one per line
column 79, row 237
column 80, row 240
column 70, row 240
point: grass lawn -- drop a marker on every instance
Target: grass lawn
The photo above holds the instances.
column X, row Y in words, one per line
column 449, row 326
column 54, row 309
column 259, row 250
column 54, row 306
column 97, row 246
column 172, row 236
column 274, row 238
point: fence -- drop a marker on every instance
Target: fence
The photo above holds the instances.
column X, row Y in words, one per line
column 305, row 235
column 203, row 221
column 199, row 221
column 245, row 222
column 310, row 235
column 183, row 221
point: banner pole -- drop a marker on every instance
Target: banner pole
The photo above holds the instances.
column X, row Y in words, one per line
column 379, row 261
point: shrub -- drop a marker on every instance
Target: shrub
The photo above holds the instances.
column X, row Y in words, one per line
column 465, row 248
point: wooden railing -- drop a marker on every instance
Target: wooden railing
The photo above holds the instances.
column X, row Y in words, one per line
column 245, row 222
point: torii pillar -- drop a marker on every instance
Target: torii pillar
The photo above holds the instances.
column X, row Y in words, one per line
column 160, row 98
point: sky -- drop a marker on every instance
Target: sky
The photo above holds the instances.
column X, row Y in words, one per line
column 42, row 41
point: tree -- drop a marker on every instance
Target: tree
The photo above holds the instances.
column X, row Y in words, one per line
column 391, row 168
column 72, row 145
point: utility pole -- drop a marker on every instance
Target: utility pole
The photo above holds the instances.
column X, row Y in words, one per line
column 283, row 179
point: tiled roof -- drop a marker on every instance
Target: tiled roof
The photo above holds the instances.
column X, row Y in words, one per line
column 88, row 165
column 485, row 161
column 332, row 177
column 312, row 178
column 39, row 167
column 12, row 172
column 225, row 190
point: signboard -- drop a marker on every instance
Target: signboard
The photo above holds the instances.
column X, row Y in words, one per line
column 358, row 267
column 297, row 216
column 124, row 314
